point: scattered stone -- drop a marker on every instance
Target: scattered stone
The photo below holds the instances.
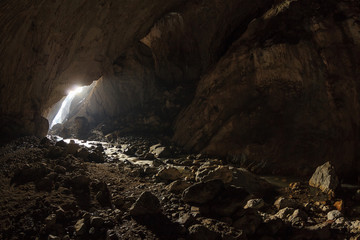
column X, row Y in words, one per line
column 325, row 179
column 186, row 220
column 297, row 216
column 339, row 205
column 169, row 173
column 285, row 213
column 72, row 147
column 160, row 151
column 61, row 143
column 52, row 237
column 96, row 157
column 96, row 222
column 202, row 192
column 200, row 232
column 254, row 203
column 50, row 221
column 178, row 186
column 248, row 222
column 227, row 202
column 334, row 214
column 60, row 169
column 223, row 173
column 146, row 204
column 82, row 153
column 282, row 202
column 80, row 227
column 29, row 174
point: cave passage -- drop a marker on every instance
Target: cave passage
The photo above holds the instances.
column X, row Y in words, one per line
column 65, row 106
column 69, row 105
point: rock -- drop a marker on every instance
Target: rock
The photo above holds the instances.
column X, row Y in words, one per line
column 81, row 227
column 325, row 179
column 80, row 183
column 186, row 220
column 169, row 173
column 248, row 222
column 50, row 221
column 282, row 202
column 320, row 231
column 55, row 152
column 285, row 213
column 44, row 184
column 29, row 174
column 82, row 153
column 96, row 157
column 52, row 237
column 200, row 232
column 72, row 148
column 227, row 202
column 251, row 182
column 202, row 192
column 334, row 214
column 297, row 216
column 96, row 222
column 104, row 198
column 61, row 144
column 60, row 169
column 160, row 151
column 146, row 204
column 339, row 205
column 222, row 172
column 178, row 186
column 254, row 203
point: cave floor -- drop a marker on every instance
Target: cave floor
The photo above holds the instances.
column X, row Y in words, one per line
column 66, row 191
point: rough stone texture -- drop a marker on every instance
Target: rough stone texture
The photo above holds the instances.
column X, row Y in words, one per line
column 202, row 192
column 276, row 81
column 278, row 98
column 325, row 178
column 146, row 204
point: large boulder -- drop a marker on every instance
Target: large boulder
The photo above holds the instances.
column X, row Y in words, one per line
column 202, row 192
column 325, row 178
column 146, row 204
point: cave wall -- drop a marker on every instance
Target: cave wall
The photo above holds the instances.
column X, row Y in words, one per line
column 271, row 85
column 285, row 96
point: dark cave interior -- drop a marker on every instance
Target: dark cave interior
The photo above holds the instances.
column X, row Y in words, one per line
column 179, row 119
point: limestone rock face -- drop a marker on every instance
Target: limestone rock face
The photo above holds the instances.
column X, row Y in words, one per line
column 285, row 95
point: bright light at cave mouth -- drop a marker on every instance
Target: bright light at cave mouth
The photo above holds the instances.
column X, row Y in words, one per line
column 65, row 106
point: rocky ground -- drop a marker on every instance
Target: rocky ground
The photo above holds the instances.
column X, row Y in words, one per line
column 139, row 188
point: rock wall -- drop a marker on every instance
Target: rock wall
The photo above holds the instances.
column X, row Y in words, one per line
column 272, row 85
column 284, row 97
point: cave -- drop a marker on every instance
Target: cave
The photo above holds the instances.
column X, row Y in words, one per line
column 180, row 119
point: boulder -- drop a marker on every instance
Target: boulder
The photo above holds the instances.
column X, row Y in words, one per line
column 200, row 232
column 254, row 203
column 160, row 151
column 334, row 214
column 325, row 178
column 178, row 186
column 223, row 173
column 203, row 192
column 169, row 173
column 282, row 202
column 146, row 204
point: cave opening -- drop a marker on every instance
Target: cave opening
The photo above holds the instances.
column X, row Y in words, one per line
column 69, row 107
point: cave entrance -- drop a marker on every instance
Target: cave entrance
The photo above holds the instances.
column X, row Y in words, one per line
column 69, row 106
